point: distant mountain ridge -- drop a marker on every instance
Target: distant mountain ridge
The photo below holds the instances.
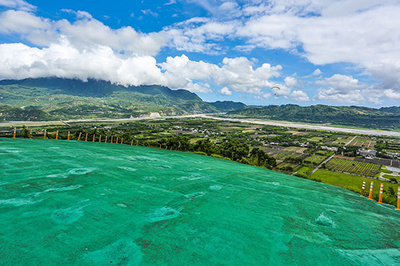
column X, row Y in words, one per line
column 99, row 88
column 59, row 98
column 384, row 118
column 226, row 106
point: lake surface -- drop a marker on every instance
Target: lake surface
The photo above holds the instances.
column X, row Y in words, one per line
column 82, row 203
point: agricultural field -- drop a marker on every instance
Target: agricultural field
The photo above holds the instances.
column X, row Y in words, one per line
column 366, row 143
column 315, row 159
column 288, row 167
column 296, row 149
column 272, row 150
column 286, row 154
column 296, row 133
column 305, row 170
column 315, row 139
column 386, row 162
column 353, row 167
column 393, row 147
column 289, row 152
column 342, row 140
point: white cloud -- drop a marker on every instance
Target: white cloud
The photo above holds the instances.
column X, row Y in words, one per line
column 238, row 74
column 299, row 96
column 291, row 82
column 262, row 97
column 17, row 4
column 317, row 72
column 149, row 12
column 171, row 2
column 83, row 33
column 342, row 83
column 391, row 94
column 341, row 88
column 225, row 91
column 200, row 35
column 37, row 30
column 361, row 32
column 198, row 87
column 327, row 32
column 333, row 95
column 19, row 61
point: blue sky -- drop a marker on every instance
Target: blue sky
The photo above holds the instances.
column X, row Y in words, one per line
column 317, row 52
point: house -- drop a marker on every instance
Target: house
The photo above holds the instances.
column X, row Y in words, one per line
column 367, row 153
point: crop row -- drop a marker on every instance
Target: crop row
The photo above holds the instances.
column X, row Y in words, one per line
column 354, row 167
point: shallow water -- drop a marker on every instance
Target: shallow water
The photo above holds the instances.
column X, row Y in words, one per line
column 77, row 203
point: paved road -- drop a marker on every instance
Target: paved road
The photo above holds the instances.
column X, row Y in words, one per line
column 251, row 121
column 319, row 166
column 350, row 141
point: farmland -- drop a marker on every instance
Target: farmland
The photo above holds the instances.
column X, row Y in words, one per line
column 363, row 142
column 353, row 167
column 386, row 162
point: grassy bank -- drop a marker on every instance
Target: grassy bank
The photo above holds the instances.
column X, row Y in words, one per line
column 354, row 183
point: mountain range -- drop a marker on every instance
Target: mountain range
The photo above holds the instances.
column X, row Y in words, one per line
column 57, row 98
column 382, row 118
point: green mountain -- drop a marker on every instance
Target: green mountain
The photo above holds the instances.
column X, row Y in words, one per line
column 337, row 115
column 56, row 98
column 392, row 109
column 226, row 106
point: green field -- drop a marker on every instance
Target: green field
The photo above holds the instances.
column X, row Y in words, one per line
column 305, row 170
column 315, row 159
column 286, row 154
column 353, row 167
column 354, row 183
column 315, row 139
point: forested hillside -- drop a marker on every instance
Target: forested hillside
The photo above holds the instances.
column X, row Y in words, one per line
column 56, row 98
column 385, row 118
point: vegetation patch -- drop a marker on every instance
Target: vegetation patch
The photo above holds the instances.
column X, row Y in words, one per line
column 353, row 167
column 354, row 183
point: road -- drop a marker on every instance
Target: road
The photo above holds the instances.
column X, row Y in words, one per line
column 251, row 121
column 319, row 166
column 350, row 141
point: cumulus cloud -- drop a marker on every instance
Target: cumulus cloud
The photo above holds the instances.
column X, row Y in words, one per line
column 84, row 32
column 299, row 96
column 341, row 88
column 324, row 32
column 87, row 48
column 17, row 4
column 225, row 91
column 238, row 73
column 321, row 31
column 291, row 82
column 317, row 72
column 264, row 96
column 342, row 83
column 30, row 27
column 19, row 61
column 200, row 35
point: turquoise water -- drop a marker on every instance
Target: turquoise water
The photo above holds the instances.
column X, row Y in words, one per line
column 77, row 203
